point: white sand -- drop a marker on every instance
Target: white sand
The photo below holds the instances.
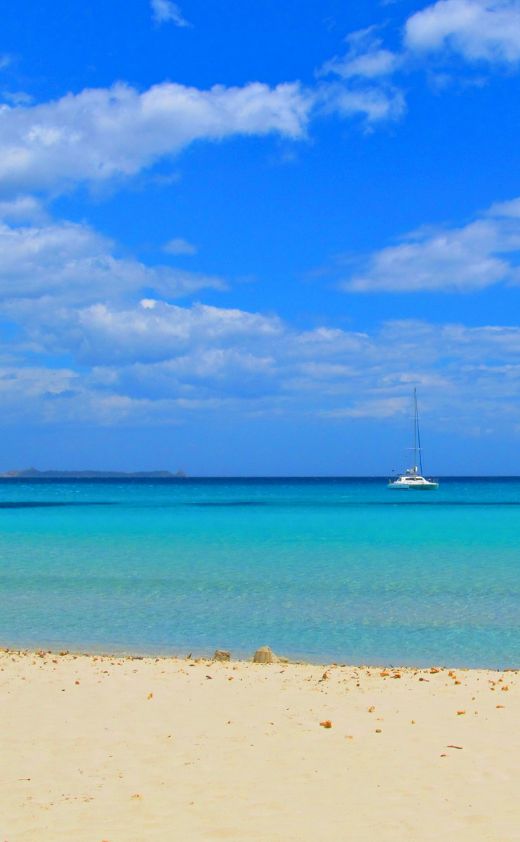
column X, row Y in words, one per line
column 88, row 753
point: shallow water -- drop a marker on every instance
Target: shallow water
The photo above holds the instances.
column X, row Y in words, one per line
column 341, row 570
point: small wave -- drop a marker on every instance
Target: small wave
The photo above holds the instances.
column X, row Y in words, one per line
column 49, row 504
column 224, row 504
column 339, row 504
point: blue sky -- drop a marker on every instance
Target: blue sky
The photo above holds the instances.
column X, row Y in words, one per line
column 234, row 236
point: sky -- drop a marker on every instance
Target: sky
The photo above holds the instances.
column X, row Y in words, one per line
column 235, row 236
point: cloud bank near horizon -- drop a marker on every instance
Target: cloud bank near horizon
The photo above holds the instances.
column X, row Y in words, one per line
column 133, row 357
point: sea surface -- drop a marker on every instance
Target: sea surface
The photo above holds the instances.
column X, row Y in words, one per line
column 320, row 569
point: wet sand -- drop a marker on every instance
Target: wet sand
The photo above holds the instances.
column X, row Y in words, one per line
column 117, row 749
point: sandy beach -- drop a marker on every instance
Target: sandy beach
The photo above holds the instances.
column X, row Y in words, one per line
column 122, row 749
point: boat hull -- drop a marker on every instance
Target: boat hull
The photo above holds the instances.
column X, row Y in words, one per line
column 426, row 486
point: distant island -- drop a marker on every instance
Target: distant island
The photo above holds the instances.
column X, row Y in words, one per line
column 33, row 473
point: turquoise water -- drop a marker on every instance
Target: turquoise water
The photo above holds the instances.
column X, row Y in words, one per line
column 321, row 569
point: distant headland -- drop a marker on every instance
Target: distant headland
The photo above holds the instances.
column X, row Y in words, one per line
column 33, row 473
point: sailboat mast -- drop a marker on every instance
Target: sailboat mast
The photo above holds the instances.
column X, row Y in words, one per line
column 415, row 431
column 417, row 434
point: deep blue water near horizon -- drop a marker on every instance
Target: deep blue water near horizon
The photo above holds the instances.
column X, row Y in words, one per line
column 323, row 569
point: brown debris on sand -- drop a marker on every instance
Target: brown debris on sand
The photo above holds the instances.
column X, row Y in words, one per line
column 222, row 655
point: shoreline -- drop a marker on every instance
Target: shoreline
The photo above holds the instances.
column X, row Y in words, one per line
column 242, row 657
column 124, row 748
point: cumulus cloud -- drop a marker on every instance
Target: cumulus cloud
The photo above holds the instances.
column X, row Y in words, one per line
column 486, row 30
column 165, row 11
column 148, row 331
column 160, row 362
column 372, row 75
column 133, row 354
column 147, row 359
column 98, row 135
column 475, row 256
column 103, row 133
column 140, row 358
column 85, row 137
column 71, row 262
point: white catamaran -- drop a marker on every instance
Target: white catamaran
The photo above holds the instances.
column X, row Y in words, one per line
column 413, row 477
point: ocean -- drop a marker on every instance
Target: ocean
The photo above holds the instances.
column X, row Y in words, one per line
column 325, row 570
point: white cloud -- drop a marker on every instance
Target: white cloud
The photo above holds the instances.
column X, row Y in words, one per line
column 366, row 58
column 69, row 291
column 149, row 331
column 506, row 209
column 26, row 391
column 160, row 362
column 22, row 209
column 205, row 378
column 365, row 88
column 135, row 356
column 71, row 262
column 371, row 74
column 137, row 359
column 165, row 11
column 85, row 137
column 477, row 29
column 472, row 257
column 180, row 246
column 373, row 103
